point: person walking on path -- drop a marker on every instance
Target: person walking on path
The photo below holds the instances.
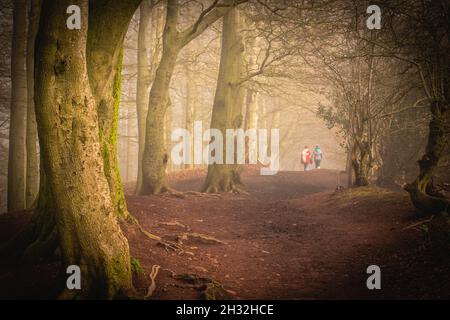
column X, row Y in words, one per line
column 306, row 158
column 317, row 155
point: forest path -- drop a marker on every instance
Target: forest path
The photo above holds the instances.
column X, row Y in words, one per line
column 291, row 237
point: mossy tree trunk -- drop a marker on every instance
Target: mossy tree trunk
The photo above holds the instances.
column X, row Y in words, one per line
column 155, row 156
column 228, row 102
column 104, row 63
column 18, row 113
column 71, row 149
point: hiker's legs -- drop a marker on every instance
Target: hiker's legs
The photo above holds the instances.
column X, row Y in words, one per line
column 305, row 167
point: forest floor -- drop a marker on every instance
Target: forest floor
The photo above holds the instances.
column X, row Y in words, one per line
column 293, row 236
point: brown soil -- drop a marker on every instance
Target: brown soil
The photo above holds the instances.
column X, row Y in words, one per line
column 293, row 236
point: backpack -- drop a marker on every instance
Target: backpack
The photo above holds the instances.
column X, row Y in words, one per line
column 318, row 154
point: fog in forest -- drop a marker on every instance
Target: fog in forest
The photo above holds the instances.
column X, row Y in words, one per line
column 124, row 120
column 291, row 107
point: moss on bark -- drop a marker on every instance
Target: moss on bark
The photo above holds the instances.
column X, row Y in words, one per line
column 66, row 113
column 104, row 62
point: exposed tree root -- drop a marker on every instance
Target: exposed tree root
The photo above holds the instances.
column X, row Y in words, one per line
column 199, row 237
column 232, row 185
column 172, row 192
column 172, row 273
column 203, row 194
column 171, row 246
column 232, row 189
column 44, row 246
column 152, row 287
column 165, row 244
column 238, row 190
column 176, row 223
column 210, row 289
column 37, row 240
column 427, row 204
column 418, row 223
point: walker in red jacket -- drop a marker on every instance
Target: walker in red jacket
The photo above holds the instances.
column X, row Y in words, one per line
column 306, row 158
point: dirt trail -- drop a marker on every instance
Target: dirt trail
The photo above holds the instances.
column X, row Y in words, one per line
column 291, row 237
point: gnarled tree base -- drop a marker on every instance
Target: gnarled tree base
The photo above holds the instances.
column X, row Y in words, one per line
column 425, row 203
column 223, row 178
column 36, row 241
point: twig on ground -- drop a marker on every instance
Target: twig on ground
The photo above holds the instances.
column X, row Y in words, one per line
column 417, row 224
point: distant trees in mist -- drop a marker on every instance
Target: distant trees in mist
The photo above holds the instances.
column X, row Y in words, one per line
column 232, row 64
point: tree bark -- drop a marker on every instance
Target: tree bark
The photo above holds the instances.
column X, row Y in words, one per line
column 17, row 128
column 69, row 135
column 251, row 116
column 32, row 182
column 155, row 156
column 251, row 119
column 191, row 94
column 361, row 164
column 143, row 82
column 228, row 102
column 104, row 62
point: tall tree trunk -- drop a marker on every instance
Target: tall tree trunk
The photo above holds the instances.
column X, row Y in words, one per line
column 191, row 95
column 32, row 182
column 104, row 62
column 167, row 134
column 143, row 81
column 228, row 102
column 155, row 157
column 129, row 155
column 69, row 134
column 17, row 127
column 361, row 164
column 262, row 110
column 251, row 119
column 251, row 116
column 349, row 168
